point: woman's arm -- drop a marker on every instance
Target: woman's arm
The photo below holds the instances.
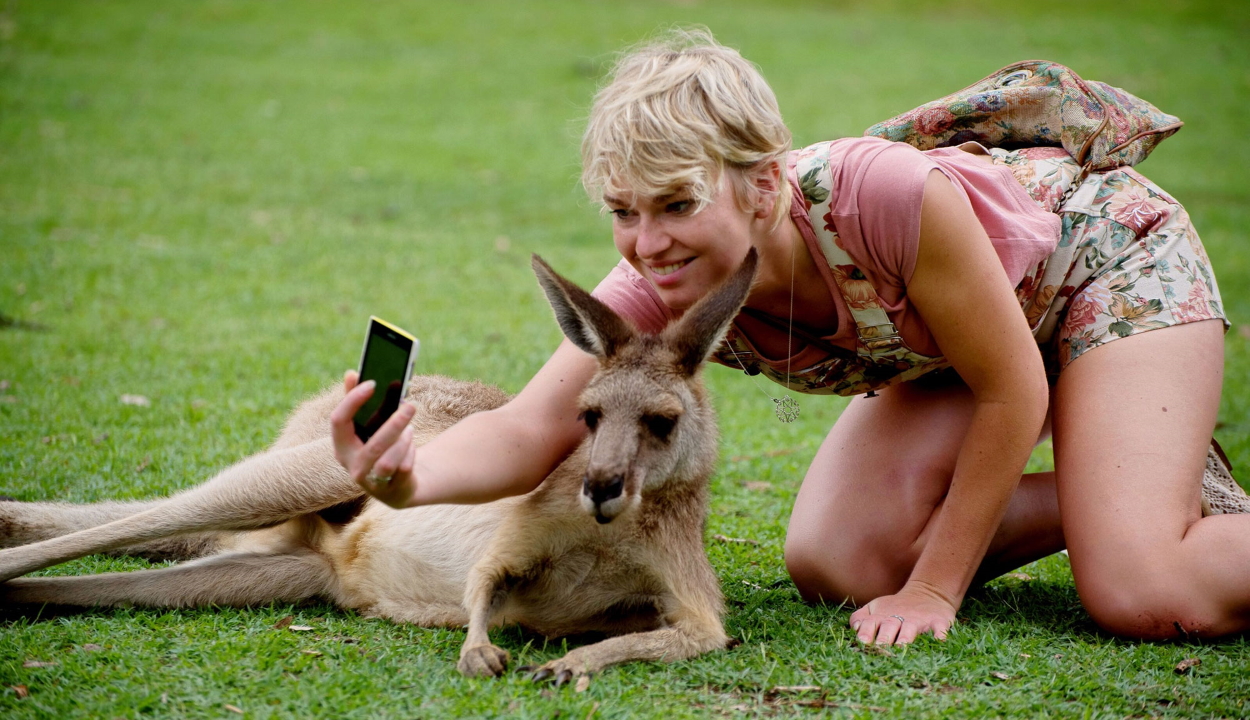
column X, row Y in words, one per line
column 486, row 456
column 961, row 291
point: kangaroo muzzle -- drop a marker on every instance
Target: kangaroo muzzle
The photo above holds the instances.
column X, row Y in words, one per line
column 603, row 497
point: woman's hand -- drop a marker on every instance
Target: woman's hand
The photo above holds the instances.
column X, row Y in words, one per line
column 900, row 619
column 382, row 466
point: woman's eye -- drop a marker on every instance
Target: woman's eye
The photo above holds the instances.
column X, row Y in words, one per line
column 620, row 213
column 679, row 206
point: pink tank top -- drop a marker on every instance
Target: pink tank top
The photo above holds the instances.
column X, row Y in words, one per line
column 874, row 209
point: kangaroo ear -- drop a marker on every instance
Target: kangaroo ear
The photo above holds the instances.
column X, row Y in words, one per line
column 700, row 330
column 588, row 323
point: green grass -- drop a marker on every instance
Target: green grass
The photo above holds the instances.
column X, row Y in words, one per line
column 202, row 202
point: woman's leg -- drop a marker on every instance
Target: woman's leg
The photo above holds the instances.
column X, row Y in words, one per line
column 1132, row 423
column 877, row 482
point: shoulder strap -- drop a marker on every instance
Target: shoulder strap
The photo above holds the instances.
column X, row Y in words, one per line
column 878, row 338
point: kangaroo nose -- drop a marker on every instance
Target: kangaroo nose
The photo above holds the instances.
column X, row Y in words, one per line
column 601, row 492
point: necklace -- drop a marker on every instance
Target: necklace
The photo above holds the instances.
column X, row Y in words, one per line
column 785, row 407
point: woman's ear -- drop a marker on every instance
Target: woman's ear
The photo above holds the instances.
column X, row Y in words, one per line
column 767, row 182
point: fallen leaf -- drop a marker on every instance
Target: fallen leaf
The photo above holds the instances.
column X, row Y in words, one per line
column 583, row 683
column 38, row 664
column 164, row 698
column 795, row 689
column 1026, row 656
column 92, row 647
column 143, row 464
column 138, row 400
column 758, row 485
column 1187, row 664
column 1000, row 675
column 874, row 649
column 345, row 639
column 284, row 622
column 299, row 628
column 21, row 691
column 1022, row 577
column 750, row 584
column 726, row 538
column 593, row 709
column 314, row 653
column 233, row 708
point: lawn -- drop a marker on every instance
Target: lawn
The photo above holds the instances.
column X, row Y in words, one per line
column 202, row 202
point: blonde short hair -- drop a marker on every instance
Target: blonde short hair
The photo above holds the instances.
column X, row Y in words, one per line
column 677, row 113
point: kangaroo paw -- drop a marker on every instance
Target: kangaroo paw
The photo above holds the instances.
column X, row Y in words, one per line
column 483, row 661
column 561, row 671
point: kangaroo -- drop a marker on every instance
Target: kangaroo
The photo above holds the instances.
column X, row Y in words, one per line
column 611, row 542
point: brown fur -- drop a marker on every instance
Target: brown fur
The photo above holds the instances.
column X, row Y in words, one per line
column 289, row 524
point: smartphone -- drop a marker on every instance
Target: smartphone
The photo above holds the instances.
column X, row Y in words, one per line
column 387, row 360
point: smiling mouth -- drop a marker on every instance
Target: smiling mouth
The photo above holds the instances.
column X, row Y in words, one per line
column 663, row 270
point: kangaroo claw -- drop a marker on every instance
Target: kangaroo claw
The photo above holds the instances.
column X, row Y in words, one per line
column 541, row 674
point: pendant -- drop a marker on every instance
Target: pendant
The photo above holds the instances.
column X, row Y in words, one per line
column 787, row 409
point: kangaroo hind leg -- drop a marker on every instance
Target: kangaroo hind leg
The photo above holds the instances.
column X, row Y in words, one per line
column 22, row 523
column 261, row 491
column 230, row 579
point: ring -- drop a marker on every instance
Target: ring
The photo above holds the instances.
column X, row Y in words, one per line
column 373, row 478
column 900, row 618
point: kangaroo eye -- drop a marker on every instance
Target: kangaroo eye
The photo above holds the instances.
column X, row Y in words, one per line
column 590, row 417
column 659, row 425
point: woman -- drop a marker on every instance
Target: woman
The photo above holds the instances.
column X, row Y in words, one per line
column 880, row 264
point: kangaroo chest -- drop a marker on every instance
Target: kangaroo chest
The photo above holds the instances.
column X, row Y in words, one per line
column 585, row 589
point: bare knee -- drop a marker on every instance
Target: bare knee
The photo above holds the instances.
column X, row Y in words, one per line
column 1150, row 606
column 836, row 573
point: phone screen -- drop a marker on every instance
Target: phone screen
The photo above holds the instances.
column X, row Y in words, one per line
column 387, row 360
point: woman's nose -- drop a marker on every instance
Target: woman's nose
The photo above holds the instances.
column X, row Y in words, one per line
column 652, row 239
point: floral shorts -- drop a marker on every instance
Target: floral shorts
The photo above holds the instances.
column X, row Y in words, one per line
column 1128, row 260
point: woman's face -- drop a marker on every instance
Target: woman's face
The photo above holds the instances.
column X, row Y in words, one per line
column 683, row 254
